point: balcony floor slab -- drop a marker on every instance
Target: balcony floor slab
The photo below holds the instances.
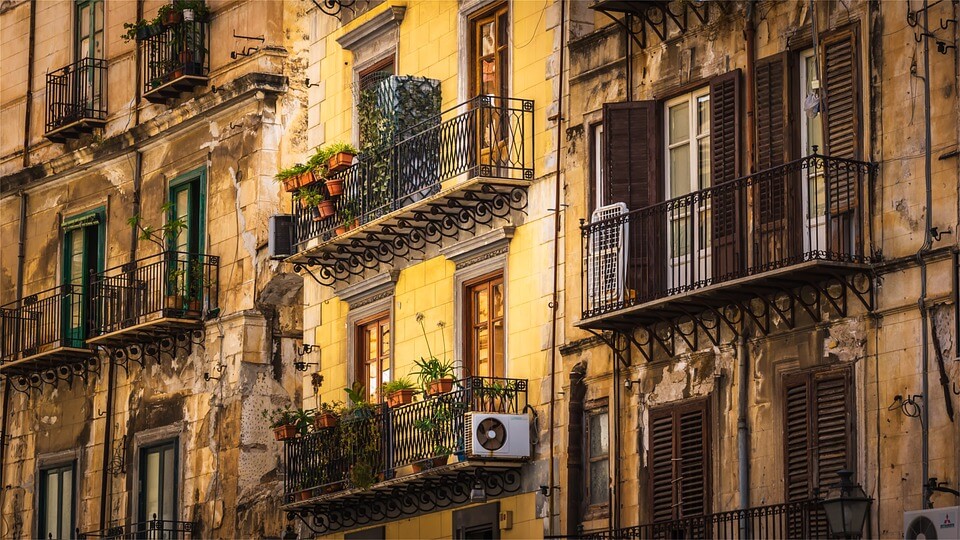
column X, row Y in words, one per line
column 51, row 358
column 155, row 329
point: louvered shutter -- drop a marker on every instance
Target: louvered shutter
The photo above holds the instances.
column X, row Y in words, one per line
column 796, row 441
column 631, row 132
column 678, row 462
column 661, row 467
column 727, row 211
column 841, row 126
column 832, row 426
column 776, row 202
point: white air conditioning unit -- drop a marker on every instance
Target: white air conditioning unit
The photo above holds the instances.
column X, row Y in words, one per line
column 606, row 257
column 497, row 436
column 933, row 523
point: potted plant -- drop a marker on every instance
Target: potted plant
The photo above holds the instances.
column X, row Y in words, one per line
column 295, row 177
column 327, row 415
column 176, row 273
column 283, row 422
column 348, row 218
column 399, row 392
column 170, row 14
column 434, row 426
column 340, row 156
column 361, row 436
column 435, row 375
column 311, row 197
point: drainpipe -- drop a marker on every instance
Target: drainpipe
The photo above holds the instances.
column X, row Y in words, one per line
column 578, row 391
column 743, row 429
column 749, row 34
column 927, row 242
column 554, row 304
column 28, row 103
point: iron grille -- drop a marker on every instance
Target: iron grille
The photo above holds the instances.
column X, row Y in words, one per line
column 153, row 529
column 169, row 284
column 741, row 228
column 179, row 52
column 327, row 460
column 75, row 93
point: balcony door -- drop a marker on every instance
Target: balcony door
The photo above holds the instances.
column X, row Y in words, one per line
column 88, row 35
column 83, row 241
column 186, row 271
column 489, row 65
column 373, row 360
column 688, row 170
column 485, row 327
column 158, row 483
column 811, row 135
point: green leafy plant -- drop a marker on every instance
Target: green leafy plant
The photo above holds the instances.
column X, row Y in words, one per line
column 280, row 416
column 432, row 368
column 398, row 384
column 303, row 420
column 360, row 434
column 309, row 196
column 291, row 171
column 319, row 159
column 335, row 408
column 168, row 231
column 199, row 7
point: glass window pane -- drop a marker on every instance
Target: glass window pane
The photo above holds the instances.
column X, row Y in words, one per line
column 703, row 115
column 599, row 434
column 599, row 482
column 703, row 161
column 182, row 211
column 502, row 29
column 66, row 508
column 51, row 480
column 151, row 486
column 385, row 339
column 679, row 123
column 169, row 483
column 482, row 308
column 98, row 16
column 488, row 79
column 487, row 43
column 83, row 24
column 679, row 170
column 498, row 300
column 498, row 344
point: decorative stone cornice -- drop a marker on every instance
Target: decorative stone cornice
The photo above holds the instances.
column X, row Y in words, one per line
column 369, row 290
column 362, row 34
column 480, row 248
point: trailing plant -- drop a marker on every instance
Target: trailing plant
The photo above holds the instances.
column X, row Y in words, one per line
column 291, row 171
column 361, row 437
column 168, row 231
column 310, row 195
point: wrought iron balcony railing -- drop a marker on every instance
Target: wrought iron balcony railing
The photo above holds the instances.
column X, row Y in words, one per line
column 154, row 529
column 75, row 99
column 176, row 60
column 43, row 323
column 369, row 448
column 484, row 137
column 808, row 210
column 169, row 288
column 802, row 519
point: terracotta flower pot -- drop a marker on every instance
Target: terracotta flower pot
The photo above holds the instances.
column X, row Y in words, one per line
column 334, row 186
column 306, row 178
column 400, row 397
column 325, row 420
column 420, row 466
column 339, row 161
column 303, row 495
column 285, row 432
column 171, row 18
column 341, row 229
column 326, row 209
column 291, row 184
column 440, row 461
column 440, row 386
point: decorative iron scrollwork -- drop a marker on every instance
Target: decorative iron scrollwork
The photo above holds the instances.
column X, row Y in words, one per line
column 170, row 345
column 67, row 372
column 405, row 500
column 333, row 7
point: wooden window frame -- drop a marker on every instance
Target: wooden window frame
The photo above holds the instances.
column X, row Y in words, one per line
column 595, row 510
column 142, row 452
column 470, row 359
column 475, row 20
column 42, row 499
column 361, row 363
column 675, row 410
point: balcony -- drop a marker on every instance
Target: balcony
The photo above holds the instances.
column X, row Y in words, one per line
column 802, row 519
column 176, row 60
column 44, row 331
column 794, row 226
column 154, row 529
column 75, row 100
column 462, row 168
column 153, row 297
column 404, row 460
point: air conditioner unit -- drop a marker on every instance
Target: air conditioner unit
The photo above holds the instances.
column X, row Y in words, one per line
column 933, row 523
column 280, row 240
column 497, row 436
column 606, row 257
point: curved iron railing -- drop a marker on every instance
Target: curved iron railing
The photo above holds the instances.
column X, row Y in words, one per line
column 169, row 284
column 51, row 318
column 486, row 136
column 809, row 209
column 362, row 450
column 75, row 92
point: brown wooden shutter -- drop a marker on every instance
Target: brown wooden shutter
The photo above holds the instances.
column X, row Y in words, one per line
column 727, row 211
column 817, row 425
column 678, row 464
column 776, row 197
column 841, row 126
column 632, row 143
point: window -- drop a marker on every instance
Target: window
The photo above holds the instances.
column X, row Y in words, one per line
column 373, row 360
column 687, row 160
column 811, row 134
column 158, row 482
column 677, row 461
column 89, row 29
column 596, row 167
column 477, row 523
column 368, row 98
column 484, row 321
column 56, row 502
column 598, row 457
column 83, row 244
column 489, row 53
column 187, row 207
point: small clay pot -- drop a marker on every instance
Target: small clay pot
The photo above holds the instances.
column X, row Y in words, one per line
column 440, row 386
column 400, row 397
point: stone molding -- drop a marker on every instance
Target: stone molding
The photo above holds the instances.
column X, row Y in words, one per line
column 480, row 248
column 372, row 29
column 369, row 290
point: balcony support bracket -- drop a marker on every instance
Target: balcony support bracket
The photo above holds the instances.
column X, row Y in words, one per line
column 140, row 351
column 619, row 343
column 81, row 368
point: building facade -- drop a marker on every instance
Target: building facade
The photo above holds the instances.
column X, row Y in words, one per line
column 143, row 323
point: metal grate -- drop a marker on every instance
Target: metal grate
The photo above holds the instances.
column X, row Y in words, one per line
column 75, row 93
column 606, row 256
